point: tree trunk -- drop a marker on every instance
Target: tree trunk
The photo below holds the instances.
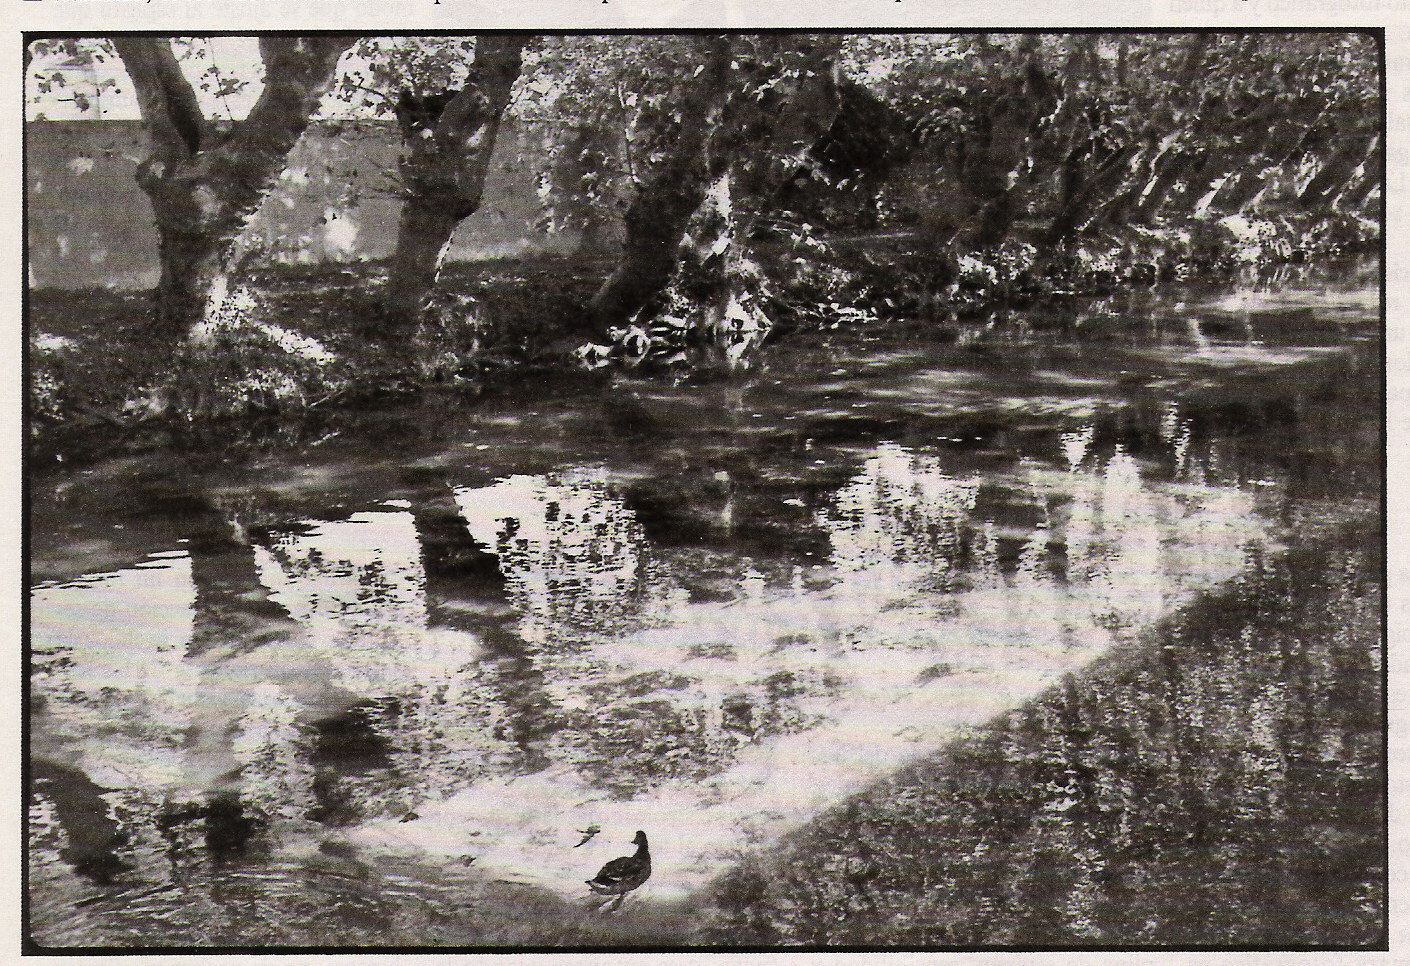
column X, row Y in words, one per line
column 1365, row 180
column 196, row 234
column 1082, row 202
column 721, row 145
column 656, row 220
column 194, row 268
column 1116, row 210
column 448, row 140
column 1170, row 167
column 1175, row 156
column 1335, row 173
column 205, row 185
column 424, row 233
column 1004, row 154
column 654, row 226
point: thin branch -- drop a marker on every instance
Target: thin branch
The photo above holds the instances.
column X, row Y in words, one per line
column 387, row 99
column 220, row 83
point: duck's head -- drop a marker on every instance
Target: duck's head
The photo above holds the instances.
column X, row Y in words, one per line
column 640, row 840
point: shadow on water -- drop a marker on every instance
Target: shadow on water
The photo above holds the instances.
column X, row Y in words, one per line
column 372, row 690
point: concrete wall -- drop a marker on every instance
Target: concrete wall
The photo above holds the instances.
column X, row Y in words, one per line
column 90, row 225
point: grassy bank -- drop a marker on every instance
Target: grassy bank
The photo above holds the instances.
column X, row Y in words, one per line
column 1222, row 784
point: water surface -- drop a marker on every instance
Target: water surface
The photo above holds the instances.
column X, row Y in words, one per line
column 274, row 688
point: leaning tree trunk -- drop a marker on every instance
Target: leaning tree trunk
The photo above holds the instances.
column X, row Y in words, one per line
column 1336, row 172
column 674, row 189
column 1176, row 155
column 205, row 184
column 1365, row 179
column 738, row 134
column 449, row 140
column 1004, row 152
column 1090, row 179
column 1172, row 165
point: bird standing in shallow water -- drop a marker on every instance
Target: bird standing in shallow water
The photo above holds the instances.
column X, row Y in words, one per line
column 621, row 876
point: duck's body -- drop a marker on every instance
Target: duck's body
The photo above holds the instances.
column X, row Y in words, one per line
column 621, row 876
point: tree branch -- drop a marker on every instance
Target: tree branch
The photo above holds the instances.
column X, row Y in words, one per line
column 389, row 102
column 297, row 70
column 164, row 95
column 498, row 60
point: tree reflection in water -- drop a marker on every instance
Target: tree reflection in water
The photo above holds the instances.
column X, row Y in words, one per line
column 717, row 633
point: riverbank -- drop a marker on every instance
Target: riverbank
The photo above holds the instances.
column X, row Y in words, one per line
column 307, row 341
column 1221, row 784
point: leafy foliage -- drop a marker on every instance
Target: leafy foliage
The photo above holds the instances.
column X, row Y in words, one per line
column 1034, row 162
column 58, row 58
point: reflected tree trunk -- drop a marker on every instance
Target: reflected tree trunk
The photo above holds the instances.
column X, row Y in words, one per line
column 234, row 612
column 94, row 837
column 463, row 578
column 465, row 591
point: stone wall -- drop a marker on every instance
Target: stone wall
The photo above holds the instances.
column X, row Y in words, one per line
column 89, row 225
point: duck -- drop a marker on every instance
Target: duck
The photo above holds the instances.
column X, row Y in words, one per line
column 620, row 876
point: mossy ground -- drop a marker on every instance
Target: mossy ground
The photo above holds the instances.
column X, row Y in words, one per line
column 1223, row 783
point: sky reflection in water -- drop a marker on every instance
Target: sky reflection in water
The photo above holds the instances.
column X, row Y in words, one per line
column 488, row 669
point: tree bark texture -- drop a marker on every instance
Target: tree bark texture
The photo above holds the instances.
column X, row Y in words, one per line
column 205, row 183
column 1336, row 172
column 448, row 143
column 716, row 134
column 1093, row 173
column 671, row 192
column 1365, row 179
column 1002, row 153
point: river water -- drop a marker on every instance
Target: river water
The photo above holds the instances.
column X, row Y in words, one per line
column 320, row 693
